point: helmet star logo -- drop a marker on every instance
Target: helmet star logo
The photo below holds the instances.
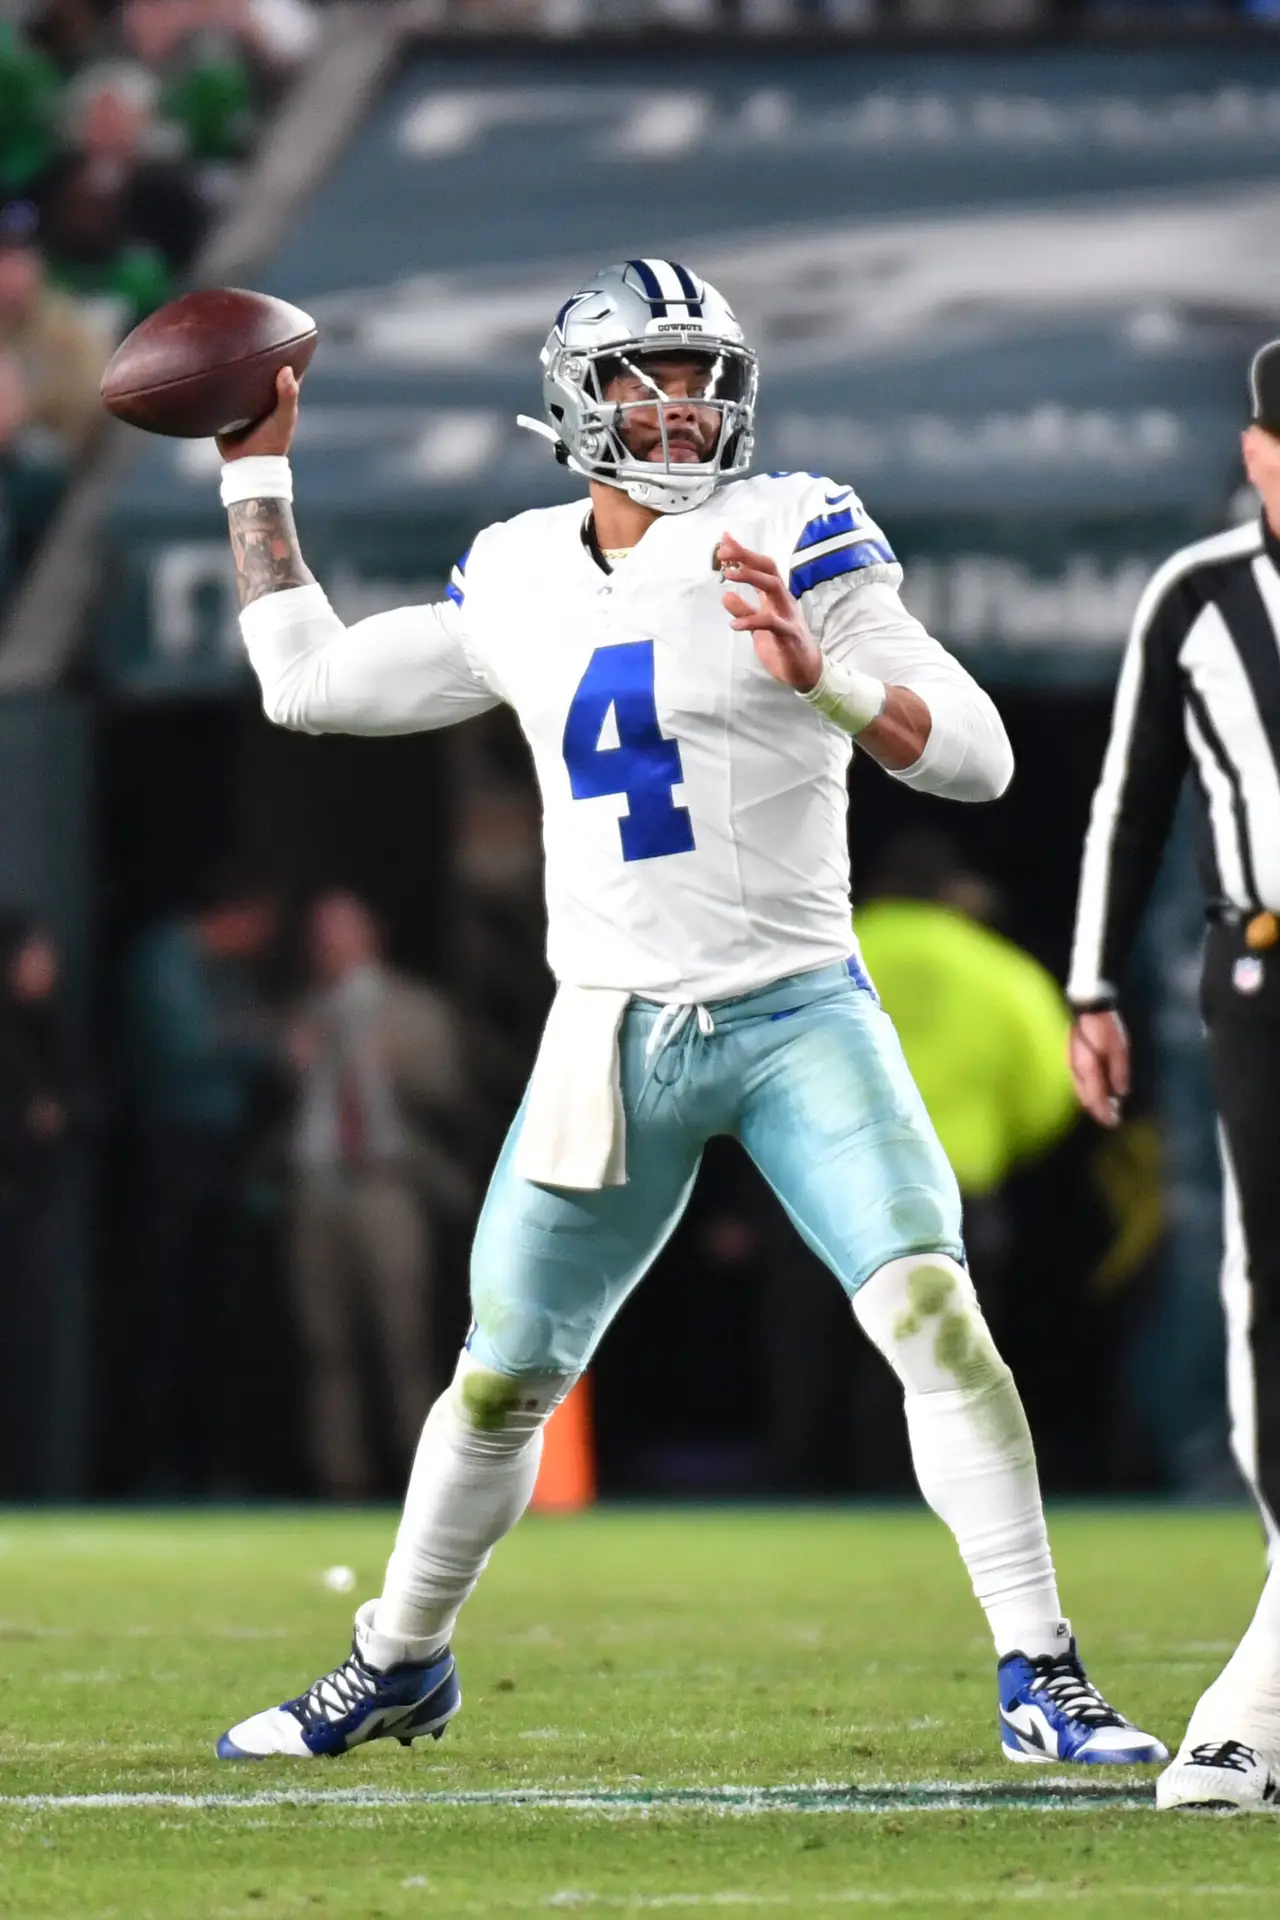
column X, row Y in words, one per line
column 572, row 304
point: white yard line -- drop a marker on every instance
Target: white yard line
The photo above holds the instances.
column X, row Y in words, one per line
column 1026, row 1893
column 1055, row 1795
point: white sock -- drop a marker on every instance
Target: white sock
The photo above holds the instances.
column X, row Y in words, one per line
column 1243, row 1703
column 473, row 1477
column 970, row 1443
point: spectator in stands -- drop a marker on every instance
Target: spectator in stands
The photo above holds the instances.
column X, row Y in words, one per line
column 70, row 32
column 207, row 84
column 30, row 88
column 379, row 1076
column 120, row 216
column 996, row 1088
column 53, row 352
column 51, row 361
column 45, row 1102
column 41, row 1097
column 199, row 1058
column 220, row 63
column 276, row 36
column 120, row 123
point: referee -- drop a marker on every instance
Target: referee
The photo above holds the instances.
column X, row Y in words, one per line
column 1199, row 693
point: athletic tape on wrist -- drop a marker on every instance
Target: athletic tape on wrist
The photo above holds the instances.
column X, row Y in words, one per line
column 852, row 699
column 258, row 476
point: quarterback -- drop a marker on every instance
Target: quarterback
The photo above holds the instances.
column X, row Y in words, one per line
column 691, row 655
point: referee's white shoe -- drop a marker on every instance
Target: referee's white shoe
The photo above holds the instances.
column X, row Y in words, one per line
column 1219, row 1774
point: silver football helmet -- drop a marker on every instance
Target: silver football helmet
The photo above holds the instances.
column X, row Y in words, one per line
column 610, row 327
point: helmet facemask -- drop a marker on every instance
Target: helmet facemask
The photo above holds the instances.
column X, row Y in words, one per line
column 609, row 427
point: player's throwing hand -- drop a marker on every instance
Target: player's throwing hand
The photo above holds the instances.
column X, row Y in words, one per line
column 783, row 642
column 274, row 432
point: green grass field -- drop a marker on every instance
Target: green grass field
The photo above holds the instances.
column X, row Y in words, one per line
column 707, row 1712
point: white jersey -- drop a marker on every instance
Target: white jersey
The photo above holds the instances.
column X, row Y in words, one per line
column 694, row 808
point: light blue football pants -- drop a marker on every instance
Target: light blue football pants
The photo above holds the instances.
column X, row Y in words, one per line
column 809, row 1076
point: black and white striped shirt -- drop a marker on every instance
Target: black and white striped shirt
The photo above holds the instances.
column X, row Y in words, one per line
column 1199, row 692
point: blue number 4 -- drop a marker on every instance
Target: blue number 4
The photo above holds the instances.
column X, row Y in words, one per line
column 644, row 765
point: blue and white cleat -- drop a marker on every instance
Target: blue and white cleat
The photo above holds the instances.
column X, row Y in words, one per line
column 354, row 1703
column 1050, row 1710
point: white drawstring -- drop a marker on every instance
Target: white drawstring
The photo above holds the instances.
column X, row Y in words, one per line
column 672, row 1020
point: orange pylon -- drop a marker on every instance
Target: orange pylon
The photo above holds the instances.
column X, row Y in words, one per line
column 567, row 1476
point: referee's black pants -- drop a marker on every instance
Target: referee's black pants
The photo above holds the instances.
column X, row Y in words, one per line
column 1241, row 1004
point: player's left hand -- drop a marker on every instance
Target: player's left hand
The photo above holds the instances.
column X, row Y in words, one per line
column 783, row 642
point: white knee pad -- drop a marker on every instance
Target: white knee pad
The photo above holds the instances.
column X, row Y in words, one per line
column 923, row 1315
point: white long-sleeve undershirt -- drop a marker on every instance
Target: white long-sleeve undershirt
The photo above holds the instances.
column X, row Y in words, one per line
column 409, row 670
column 867, row 628
column 405, row 671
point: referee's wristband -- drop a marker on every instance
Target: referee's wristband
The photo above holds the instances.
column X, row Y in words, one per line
column 258, row 476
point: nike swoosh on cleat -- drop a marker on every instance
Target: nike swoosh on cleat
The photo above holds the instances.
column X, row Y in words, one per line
column 1032, row 1734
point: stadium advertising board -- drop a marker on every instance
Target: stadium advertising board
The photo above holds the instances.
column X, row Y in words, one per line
column 1010, row 298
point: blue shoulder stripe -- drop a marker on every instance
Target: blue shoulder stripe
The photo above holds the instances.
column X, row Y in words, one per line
column 829, row 566
column 455, row 591
column 825, row 527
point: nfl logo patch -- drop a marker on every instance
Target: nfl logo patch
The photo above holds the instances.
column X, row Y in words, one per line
column 1246, row 975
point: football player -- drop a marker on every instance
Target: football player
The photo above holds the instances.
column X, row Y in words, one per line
column 691, row 655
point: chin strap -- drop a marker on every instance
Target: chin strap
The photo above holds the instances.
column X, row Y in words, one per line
column 650, row 494
column 545, row 432
column 634, row 489
column 540, row 427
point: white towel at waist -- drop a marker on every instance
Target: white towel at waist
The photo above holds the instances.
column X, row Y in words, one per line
column 574, row 1132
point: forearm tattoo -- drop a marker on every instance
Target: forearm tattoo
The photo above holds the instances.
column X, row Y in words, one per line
column 264, row 546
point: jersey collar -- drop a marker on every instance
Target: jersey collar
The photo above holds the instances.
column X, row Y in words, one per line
column 591, row 542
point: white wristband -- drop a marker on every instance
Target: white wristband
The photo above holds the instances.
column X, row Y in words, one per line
column 258, row 476
column 852, row 699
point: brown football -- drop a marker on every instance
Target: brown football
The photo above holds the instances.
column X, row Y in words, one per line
column 207, row 362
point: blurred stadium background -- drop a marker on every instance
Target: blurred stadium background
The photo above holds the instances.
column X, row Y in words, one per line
column 1005, row 263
